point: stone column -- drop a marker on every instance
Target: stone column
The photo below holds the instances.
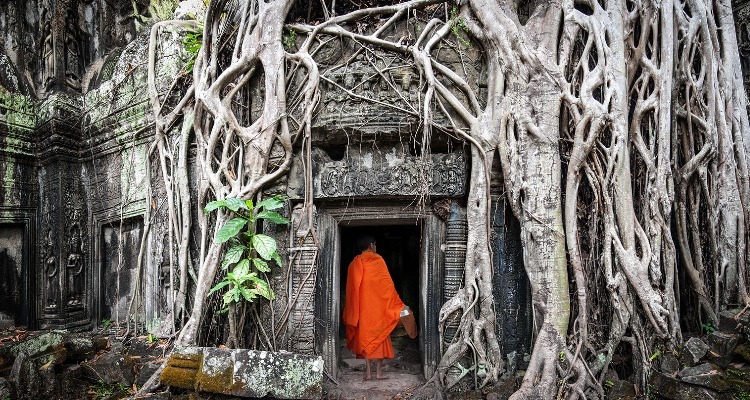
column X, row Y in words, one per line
column 304, row 269
column 455, row 259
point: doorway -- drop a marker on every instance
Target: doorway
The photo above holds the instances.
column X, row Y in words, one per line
column 338, row 225
column 399, row 245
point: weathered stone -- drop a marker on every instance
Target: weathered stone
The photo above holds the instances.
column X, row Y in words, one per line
column 69, row 383
column 30, row 378
column 668, row 364
column 145, row 372
column 47, row 343
column 692, row 351
column 697, row 370
column 733, row 321
column 722, row 347
column 623, row 390
column 712, row 380
column 245, row 373
column 111, row 368
column 743, row 350
column 674, row 389
column 82, row 347
column 6, row 389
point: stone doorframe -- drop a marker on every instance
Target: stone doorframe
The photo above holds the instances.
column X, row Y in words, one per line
column 327, row 308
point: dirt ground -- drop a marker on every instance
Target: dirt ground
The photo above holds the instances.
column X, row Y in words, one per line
column 403, row 373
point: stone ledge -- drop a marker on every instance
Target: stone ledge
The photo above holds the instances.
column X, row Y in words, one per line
column 245, row 373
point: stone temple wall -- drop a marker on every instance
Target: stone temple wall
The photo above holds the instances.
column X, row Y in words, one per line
column 75, row 129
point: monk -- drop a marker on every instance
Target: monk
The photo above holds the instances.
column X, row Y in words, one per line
column 372, row 307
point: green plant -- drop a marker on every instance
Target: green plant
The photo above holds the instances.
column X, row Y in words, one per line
column 608, row 384
column 151, row 338
column 106, row 323
column 708, row 327
column 101, row 389
column 458, row 24
column 193, row 42
column 654, row 356
column 249, row 252
column 289, row 39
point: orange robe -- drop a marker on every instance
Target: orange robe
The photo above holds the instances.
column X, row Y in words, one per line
column 372, row 307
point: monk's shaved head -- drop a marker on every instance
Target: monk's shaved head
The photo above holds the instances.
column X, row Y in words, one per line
column 364, row 242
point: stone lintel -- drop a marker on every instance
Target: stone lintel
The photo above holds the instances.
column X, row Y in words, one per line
column 245, row 373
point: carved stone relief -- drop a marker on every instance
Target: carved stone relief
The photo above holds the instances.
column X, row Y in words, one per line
column 304, row 255
column 120, row 246
column 74, row 266
column 382, row 172
column 51, row 272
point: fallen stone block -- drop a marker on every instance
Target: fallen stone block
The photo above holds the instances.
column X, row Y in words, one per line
column 692, row 351
column 697, row 370
column 82, row 346
column 45, row 349
column 723, row 345
column 668, row 364
column 713, row 380
column 743, row 350
column 622, row 390
column 673, row 389
column 111, row 368
column 733, row 321
column 245, row 373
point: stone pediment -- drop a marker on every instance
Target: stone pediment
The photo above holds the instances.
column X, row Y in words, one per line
column 383, row 171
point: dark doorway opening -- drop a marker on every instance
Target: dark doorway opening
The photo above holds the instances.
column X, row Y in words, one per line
column 14, row 308
column 400, row 247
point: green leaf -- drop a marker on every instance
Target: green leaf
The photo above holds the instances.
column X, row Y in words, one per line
column 263, row 289
column 261, row 265
column 264, row 245
column 272, row 216
column 276, row 257
column 235, row 204
column 272, row 203
column 217, row 287
column 241, row 270
column 247, row 294
column 233, row 255
column 228, row 297
column 214, row 205
column 249, row 204
column 230, row 229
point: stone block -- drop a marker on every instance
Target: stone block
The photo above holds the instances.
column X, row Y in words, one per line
column 668, row 364
column 733, row 321
column 622, row 390
column 743, row 350
column 673, row 389
column 245, row 373
column 46, row 343
column 722, row 347
column 6, row 389
column 697, row 370
column 81, row 347
column 713, row 380
column 145, row 371
column 111, row 368
column 692, row 351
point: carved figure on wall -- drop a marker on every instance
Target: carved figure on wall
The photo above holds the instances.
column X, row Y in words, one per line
column 165, row 285
column 48, row 56
column 72, row 50
column 75, row 268
column 50, row 273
